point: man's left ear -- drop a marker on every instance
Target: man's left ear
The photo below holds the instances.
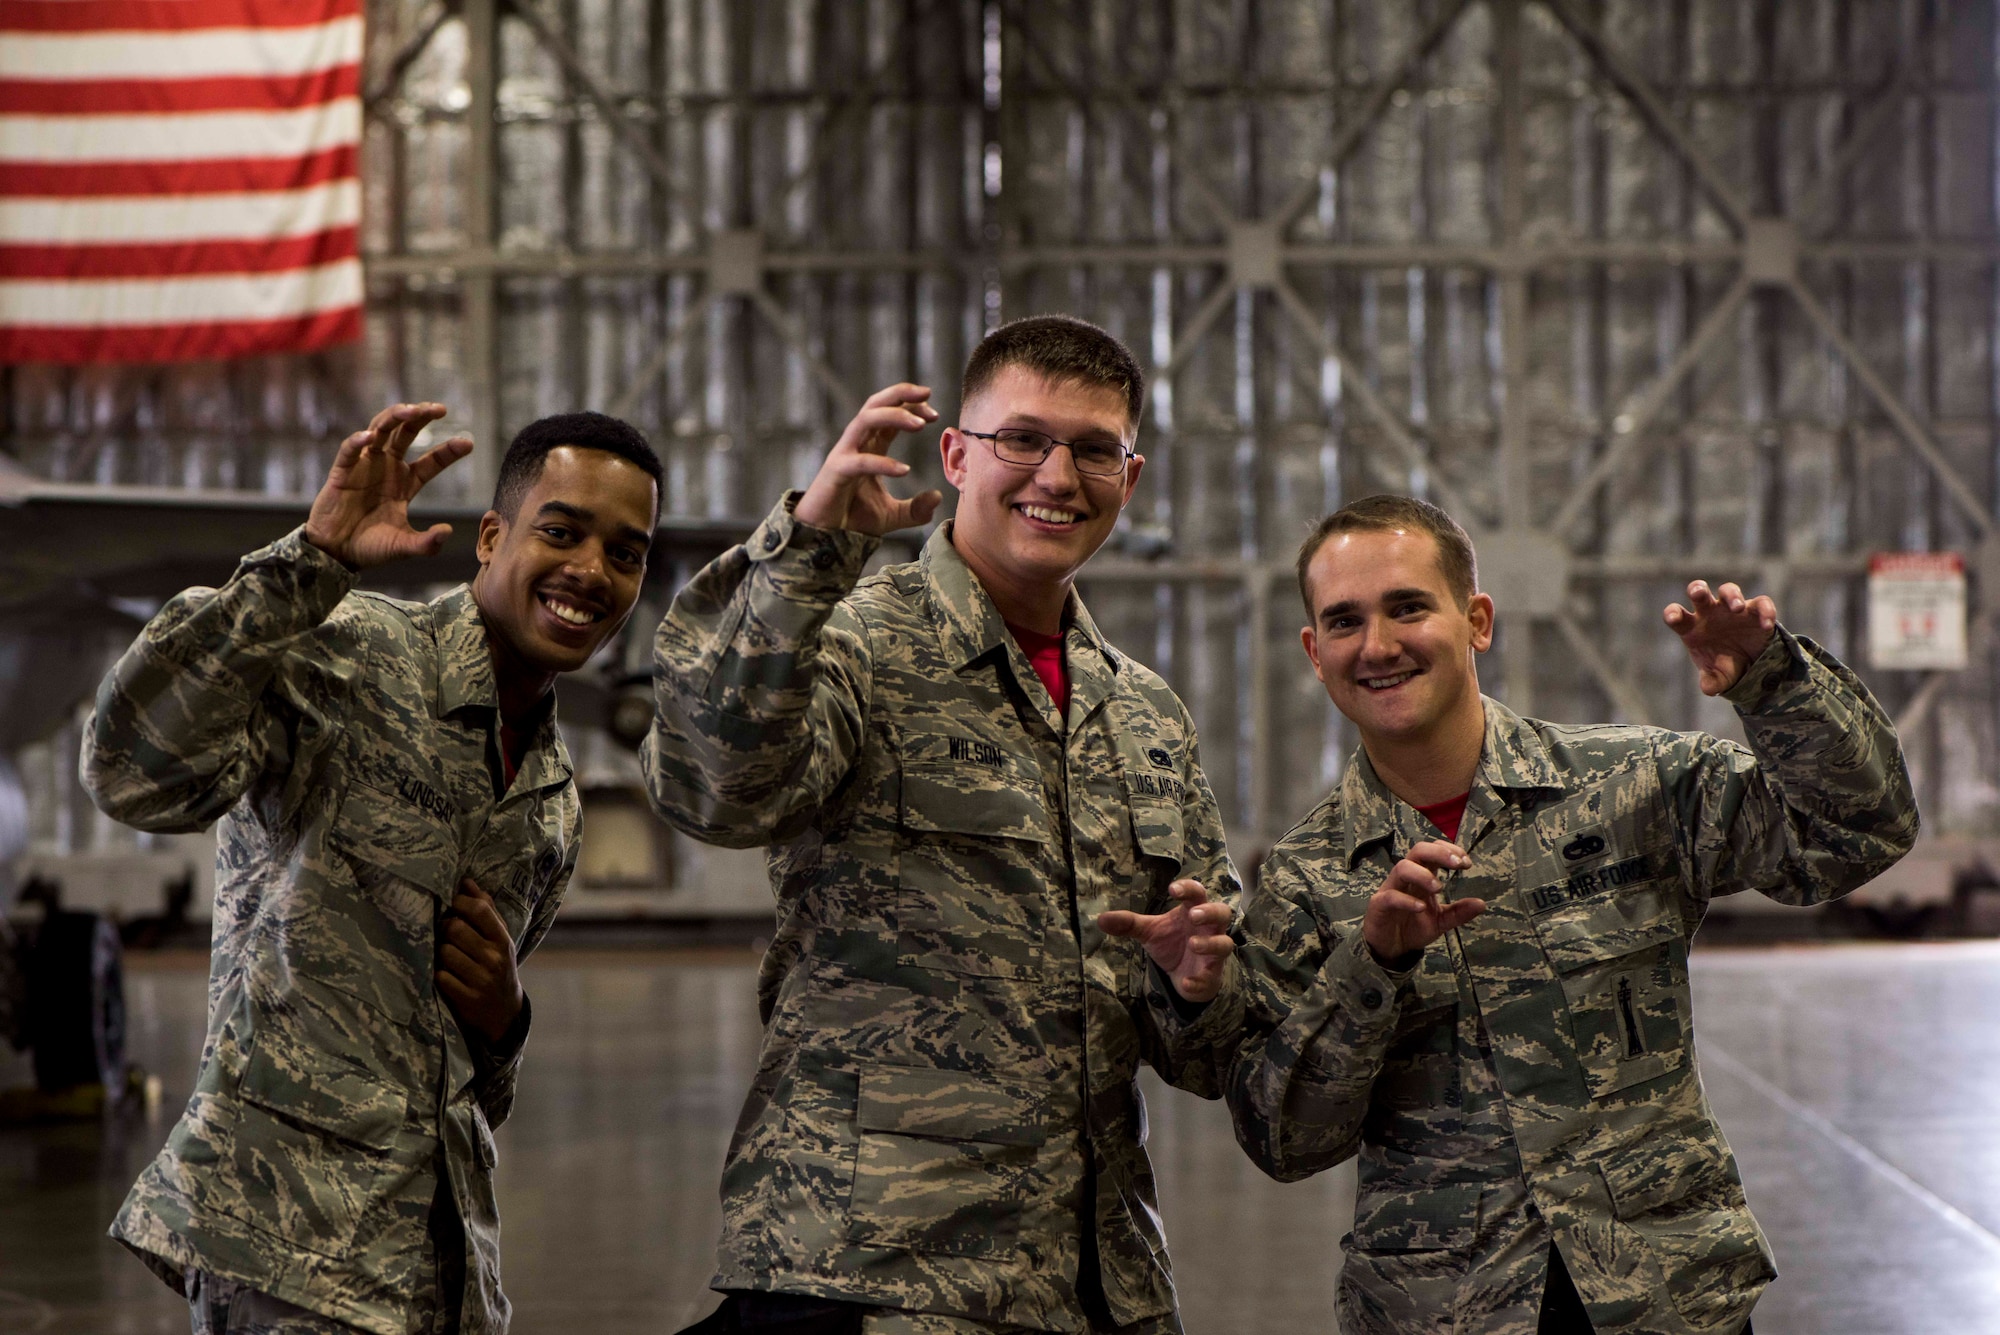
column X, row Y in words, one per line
column 1479, row 611
column 1133, row 467
column 492, row 527
column 951, row 453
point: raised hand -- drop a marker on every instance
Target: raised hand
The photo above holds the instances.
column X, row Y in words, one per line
column 1189, row 941
column 848, row 492
column 1723, row 633
column 1408, row 912
column 362, row 513
column 476, row 967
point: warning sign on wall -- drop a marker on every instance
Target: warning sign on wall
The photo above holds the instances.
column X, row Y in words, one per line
column 1916, row 610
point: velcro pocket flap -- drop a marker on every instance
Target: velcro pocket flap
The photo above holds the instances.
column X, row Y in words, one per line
column 398, row 836
column 948, row 1105
column 324, row 1092
column 962, row 785
column 1623, row 923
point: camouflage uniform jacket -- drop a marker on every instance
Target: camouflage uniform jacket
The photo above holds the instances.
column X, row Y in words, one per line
column 349, row 744
column 1533, row 1077
column 948, row 1035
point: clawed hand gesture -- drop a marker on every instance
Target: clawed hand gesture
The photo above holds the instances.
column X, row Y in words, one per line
column 1409, row 912
column 1189, row 942
column 362, row 515
column 1723, row 633
column 848, row 492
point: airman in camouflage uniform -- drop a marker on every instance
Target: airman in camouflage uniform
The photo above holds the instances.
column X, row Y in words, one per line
column 398, row 825
column 945, row 1127
column 1499, row 1025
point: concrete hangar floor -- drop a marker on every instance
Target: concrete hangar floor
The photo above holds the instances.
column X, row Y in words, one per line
column 1857, row 1083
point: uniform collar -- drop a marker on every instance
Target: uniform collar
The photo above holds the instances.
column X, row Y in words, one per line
column 1513, row 758
column 970, row 625
column 465, row 663
column 465, row 678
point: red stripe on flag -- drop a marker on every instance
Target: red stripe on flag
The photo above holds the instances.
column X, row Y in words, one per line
column 112, row 97
column 209, row 177
column 167, row 15
column 173, row 259
column 179, row 342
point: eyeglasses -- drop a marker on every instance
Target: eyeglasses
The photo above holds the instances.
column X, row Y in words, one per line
column 1099, row 458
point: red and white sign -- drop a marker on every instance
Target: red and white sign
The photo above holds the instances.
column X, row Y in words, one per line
column 178, row 178
column 1916, row 610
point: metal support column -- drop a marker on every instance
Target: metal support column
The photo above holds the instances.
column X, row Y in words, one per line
column 478, row 287
column 1516, row 474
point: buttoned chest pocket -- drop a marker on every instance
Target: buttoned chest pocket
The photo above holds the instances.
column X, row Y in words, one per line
column 1622, row 960
column 971, row 873
column 402, row 860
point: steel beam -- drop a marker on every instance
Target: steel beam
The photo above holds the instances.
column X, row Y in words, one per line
column 1126, row 101
column 1907, row 426
column 628, row 398
column 1378, row 97
column 478, row 290
column 1625, row 696
column 789, row 329
column 1877, row 118
column 1628, row 426
column 628, row 132
column 448, row 265
column 391, row 80
column 1642, row 95
column 1415, row 454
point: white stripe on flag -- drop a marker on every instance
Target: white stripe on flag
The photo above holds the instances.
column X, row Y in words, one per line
column 265, row 215
column 187, row 137
column 198, row 53
column 97, row 303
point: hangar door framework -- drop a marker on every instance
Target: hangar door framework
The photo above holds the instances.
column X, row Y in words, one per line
column 1640, row 289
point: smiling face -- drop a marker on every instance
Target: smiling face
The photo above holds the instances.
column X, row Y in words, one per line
column 1389, row 640
column 1024, row 528
column 559, row 578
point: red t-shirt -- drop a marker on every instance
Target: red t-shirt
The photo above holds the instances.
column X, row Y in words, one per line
column 1045, row 656
column 513, row 750
column 1446, row 815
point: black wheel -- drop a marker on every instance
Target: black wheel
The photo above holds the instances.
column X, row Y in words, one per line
column 76, row 1002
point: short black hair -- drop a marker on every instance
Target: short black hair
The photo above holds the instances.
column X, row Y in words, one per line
column 1387, row 513
column 522, row 466
column 1059, row 348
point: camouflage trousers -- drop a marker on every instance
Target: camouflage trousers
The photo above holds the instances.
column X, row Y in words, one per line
column 218, row 1306
column 785, row 1314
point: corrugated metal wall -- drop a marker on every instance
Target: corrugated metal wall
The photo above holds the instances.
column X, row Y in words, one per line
column 1642, row 289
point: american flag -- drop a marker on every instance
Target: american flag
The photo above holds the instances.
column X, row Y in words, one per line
column 178, row 178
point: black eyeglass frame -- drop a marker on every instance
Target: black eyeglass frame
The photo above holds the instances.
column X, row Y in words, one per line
column 992, row 438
